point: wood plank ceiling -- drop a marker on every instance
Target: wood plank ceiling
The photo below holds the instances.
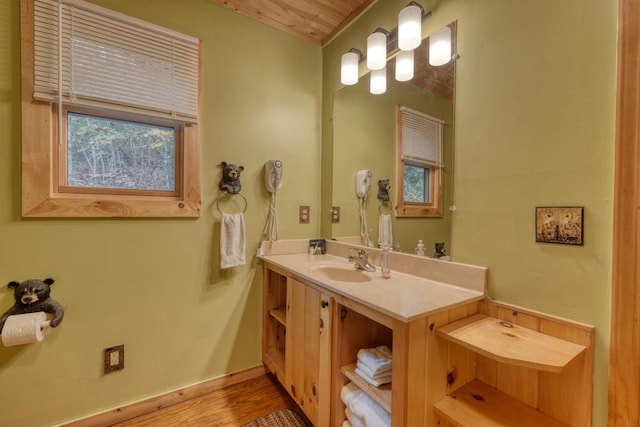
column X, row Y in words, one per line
column 314, row 20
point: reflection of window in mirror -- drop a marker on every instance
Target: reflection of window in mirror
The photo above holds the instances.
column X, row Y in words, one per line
column 419, row 164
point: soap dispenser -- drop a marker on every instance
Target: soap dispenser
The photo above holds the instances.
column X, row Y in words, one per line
column 420, row 248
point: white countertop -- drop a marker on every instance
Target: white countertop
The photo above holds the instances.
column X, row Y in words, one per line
column 404, row 296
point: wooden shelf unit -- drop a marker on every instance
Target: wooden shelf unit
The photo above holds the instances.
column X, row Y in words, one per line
column 477, row 404
column 274, row 322
column 280, row 314
column 381, row 395
column 355, row 331
column 511, row 344
column 512, row 367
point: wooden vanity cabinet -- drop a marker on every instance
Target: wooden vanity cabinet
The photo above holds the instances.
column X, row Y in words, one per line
column 478, row 363
column 296, row 341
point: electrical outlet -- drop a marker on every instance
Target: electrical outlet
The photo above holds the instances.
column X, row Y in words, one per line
column 305, row 211
column 335, row 214
column 113, row 359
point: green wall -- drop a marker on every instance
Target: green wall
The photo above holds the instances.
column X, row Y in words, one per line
column 535, row 112
column 155, row 285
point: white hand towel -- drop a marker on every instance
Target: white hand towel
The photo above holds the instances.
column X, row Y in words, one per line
column 371, row 373
column 367, row 409
column 346, row 424
column 349, row 392
column 232, row 240
column 376, row 382
column 353, row 420
column 376, row 359
column 385, row 232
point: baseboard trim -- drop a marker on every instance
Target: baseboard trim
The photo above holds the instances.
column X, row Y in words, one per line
column 155, row 403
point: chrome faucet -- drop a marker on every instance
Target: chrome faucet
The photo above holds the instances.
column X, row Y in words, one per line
column 361, row 259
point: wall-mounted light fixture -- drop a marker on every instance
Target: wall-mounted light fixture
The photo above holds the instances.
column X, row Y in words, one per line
column 404, row 65
column 377, row 49
column 410, row 26
column 440, row 47
column 349, row 67
column 378, row 82
column 401, row 44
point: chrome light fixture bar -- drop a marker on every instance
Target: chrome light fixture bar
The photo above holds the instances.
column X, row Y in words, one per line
column 401, row 43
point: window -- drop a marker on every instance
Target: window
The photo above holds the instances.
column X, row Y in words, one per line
column 416, row 183
column 110, row 114
column 99, row 150
column 419, row 164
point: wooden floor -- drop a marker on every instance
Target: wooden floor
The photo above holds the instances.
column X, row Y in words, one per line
column 231, row 406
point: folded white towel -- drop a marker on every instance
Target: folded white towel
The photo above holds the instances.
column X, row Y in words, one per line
column 346, row 424
column 376, row 382
column 349, row 392
column 354, row 420
column 364, row 407
column 376, row 359
column 385, row 232
column 232, row 240
column 371, row 373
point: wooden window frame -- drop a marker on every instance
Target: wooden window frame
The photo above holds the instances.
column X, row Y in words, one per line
column 431, row 209
column 41, row 195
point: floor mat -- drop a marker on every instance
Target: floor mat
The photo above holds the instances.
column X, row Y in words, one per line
column 279, row 418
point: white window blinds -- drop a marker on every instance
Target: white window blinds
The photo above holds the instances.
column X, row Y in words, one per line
column 112, row 60
column 421, row 138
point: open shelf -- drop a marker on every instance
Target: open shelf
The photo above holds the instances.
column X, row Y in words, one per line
column 477, row 404
column 382, row 394
column 279, row 314
column 511, row 344
column 274, row 360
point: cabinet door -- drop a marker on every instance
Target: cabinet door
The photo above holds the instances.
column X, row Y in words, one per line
column 307, row 357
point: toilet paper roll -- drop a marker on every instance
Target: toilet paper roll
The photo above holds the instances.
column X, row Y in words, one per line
column 24, row 328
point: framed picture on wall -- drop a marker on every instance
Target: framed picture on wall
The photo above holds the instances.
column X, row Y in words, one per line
column 560, row 224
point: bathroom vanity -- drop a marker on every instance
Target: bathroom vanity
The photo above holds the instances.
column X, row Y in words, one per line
column 459, row 359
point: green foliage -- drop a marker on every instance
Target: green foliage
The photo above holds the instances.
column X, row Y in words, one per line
column 108, row 153
column 416, row 184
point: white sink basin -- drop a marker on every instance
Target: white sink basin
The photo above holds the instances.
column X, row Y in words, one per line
column 341, row 273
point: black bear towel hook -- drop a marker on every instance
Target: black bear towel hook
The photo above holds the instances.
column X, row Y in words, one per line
column 230, row 181
column 383, row 190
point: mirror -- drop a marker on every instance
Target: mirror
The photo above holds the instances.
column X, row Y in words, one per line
column 364, row 137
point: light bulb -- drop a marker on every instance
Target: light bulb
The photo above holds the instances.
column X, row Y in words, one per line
column 378, row 83
column 349, row 68
column 404, row 65
column 410, row 27
column 376, row 50
column 440, row 47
